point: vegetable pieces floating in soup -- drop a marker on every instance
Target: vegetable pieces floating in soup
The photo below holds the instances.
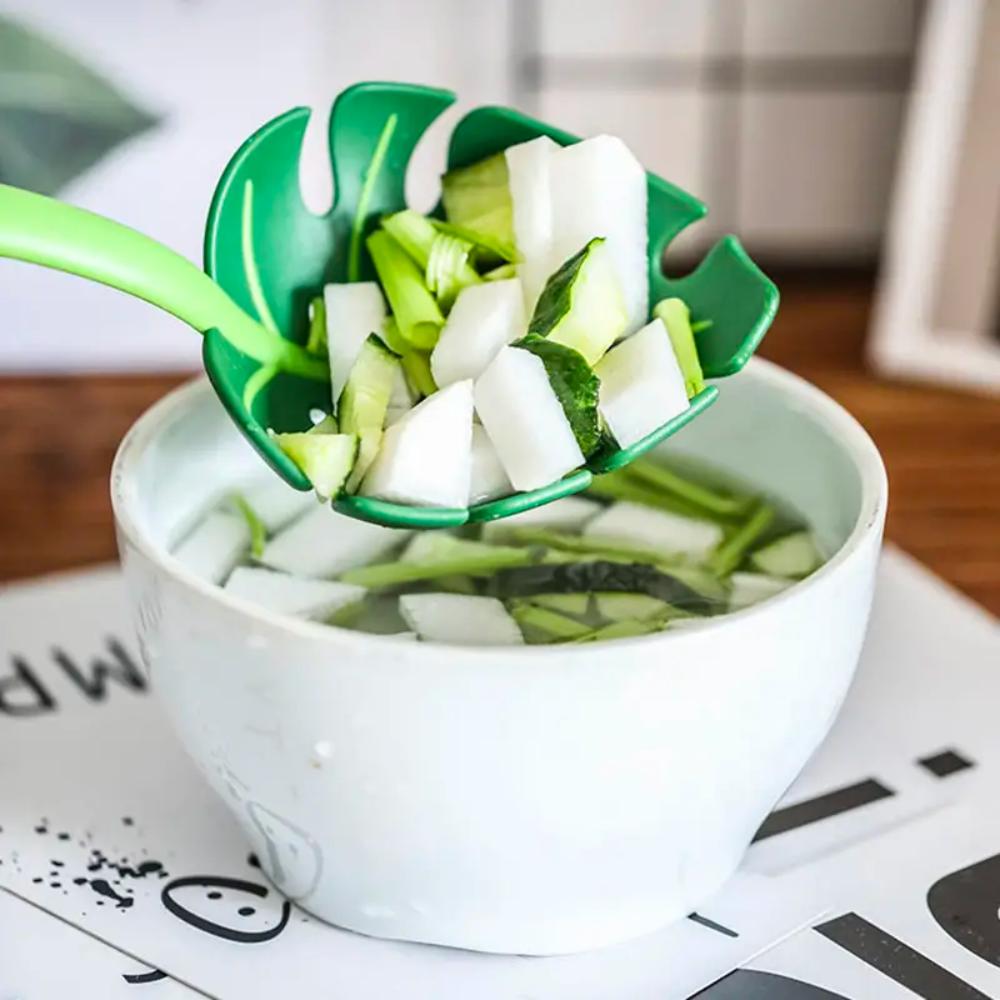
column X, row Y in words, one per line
column 497, row 349
column 647, row 548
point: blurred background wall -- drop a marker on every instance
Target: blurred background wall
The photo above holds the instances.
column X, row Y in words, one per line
column 783, row 115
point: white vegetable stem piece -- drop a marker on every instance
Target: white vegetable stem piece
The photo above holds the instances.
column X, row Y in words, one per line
column 290, row 595
column 460, row 619
column 599, row 189
column 353, row 311
column 426, row 457
column 567, row 514
column 531, row 196
column 324, row 543
column 752, row 588
column 215, row 545
column 642, row 385
column 276, row 503
column 656, row 530
column 794, row 555
column 484, row 318
column 525, row 420
column 488, row 480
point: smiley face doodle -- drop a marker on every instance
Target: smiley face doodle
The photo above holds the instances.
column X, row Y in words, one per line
column 229, row 908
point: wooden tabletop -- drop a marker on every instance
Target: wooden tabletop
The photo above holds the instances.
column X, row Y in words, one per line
column 942, row 448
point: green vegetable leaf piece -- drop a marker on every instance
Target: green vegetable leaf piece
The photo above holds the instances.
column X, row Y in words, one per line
column 444, row 258
column 501, row 273
column 575, row 385
column 573, row 605
column 448, row 269
column 628, row 629
column 582, row 305
column 417, row 314
column 59, row 117
column 477, row 198
column 317, row 328
column 417, row 368
column 483, row 564
column 413, row 232
column 258, row 533
column 584, row 545
column 487, row 251
column 655, row 475
column 731, row 552
column 542, row 625
column 677, row 319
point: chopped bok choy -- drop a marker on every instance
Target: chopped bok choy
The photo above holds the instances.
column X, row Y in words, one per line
column 794, row 556
column 599, row 190
column 642, row 386
column 581, row 305
column 289, row 595
column 538, row 403
column 483, row 319
column 534, row 289
column 456, row 618
column 365, row 400
column 676, row 318
column 578, row 571
column 353, row 311
column 425, row 458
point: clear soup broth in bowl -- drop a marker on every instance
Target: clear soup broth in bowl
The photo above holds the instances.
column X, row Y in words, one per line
column 535, row 736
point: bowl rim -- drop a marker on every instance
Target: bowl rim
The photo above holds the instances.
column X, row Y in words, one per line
column 846, row 430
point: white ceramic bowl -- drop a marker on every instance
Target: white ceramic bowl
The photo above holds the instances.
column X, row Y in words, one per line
column 534, row 800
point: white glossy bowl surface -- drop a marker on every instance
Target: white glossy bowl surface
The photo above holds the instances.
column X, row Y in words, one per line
column 534, row 800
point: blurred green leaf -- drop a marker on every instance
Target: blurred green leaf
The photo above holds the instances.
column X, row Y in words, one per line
column 58, row 117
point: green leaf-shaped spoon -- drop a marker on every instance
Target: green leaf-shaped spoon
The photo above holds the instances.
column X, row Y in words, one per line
column 270, row 256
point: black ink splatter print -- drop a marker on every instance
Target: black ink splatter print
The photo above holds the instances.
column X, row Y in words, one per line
column 107, row 876
column 100, row 886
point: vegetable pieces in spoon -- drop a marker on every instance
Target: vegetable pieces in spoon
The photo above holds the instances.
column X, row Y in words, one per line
column 502, row 347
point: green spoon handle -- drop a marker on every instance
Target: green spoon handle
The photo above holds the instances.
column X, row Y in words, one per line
column 48, row 232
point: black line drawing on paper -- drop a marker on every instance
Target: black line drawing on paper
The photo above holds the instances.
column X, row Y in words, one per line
column 965, row 905
column 136, row 978
column 216, row 888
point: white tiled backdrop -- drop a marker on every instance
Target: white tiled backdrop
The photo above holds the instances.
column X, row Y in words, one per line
column 782, row 115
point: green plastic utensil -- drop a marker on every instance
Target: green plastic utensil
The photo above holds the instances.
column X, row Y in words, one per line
column 44, row 231
column 270, row 256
